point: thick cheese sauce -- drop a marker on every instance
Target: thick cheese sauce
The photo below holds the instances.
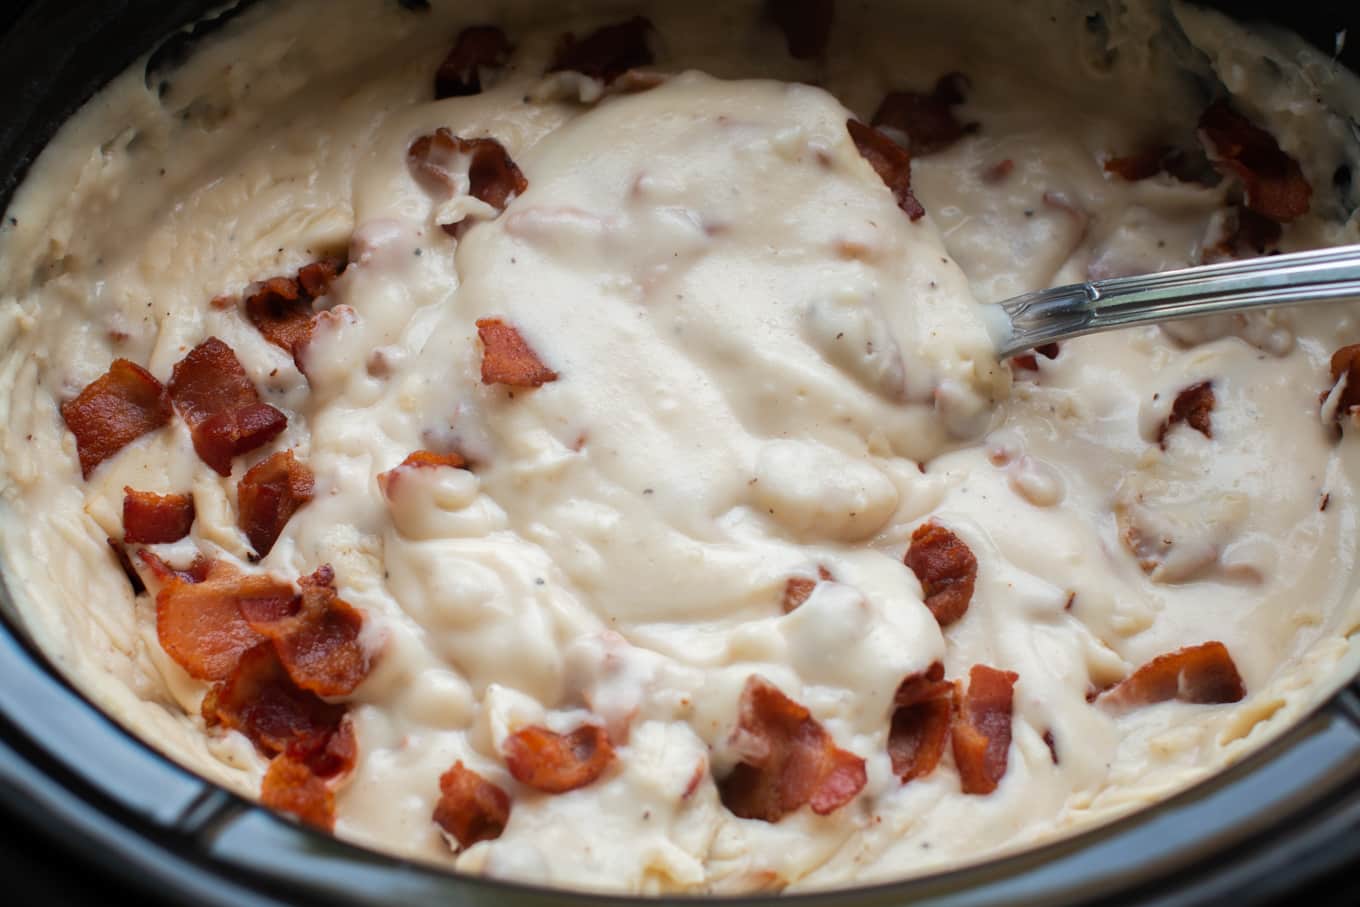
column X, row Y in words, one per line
column 765, row 367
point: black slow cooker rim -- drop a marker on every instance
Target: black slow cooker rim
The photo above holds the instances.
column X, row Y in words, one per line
column 73, row 775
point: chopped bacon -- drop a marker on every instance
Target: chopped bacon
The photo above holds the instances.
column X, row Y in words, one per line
column 477, row 46
column 492, row 176
column 290, row 786
column 507, row 359
column 281, row 307
column 790, row 759
column 200, row 624
column 1191, row 406
column 196, row 572
column 120, row 553
column 260, row 700
column 213, row 394
column 890, row 161
column 999, row 171
column 268, row 495
column 982, row 728
column 1156, row 159
column 114, row 410
column 1200, row 674
column 920, row 723
column 420, row 459
column 607, row 52
column 470, row 808
column 1030, row 362
column 1273, row 181
column 927, row 119
column 1244, row 234
column 557, row 763
column 316, row 635
column 806, row 24
column 947, row 569
column 1345, row 365
column 153, row 519
column 798, row 589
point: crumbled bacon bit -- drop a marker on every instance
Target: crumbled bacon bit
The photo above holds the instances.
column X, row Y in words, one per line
column 470, row 808
column 114, row 410
column 1029, row 362
column 1244, row 234
column 982, row 729
column 1345, row 366
column 999, row 171
column 607, row 52
column 120, row 553
column 196, row 572
column 153, row 519
column 798, row 589
column 492, row 176
column 1191, row 406
column 947, row 569
column 290, row 786
column 268, row 495
column 281, row 307
column 927, row 119
column 1052, row 745
column 806, row 24
column 790, row 760
column 214, row 395
column 200, row 624
column 316, row 635
column 1156, row 159
column 1199, row 674
column 420, row 459
column 1273, row 181
column 920, row 723
column 260, row 700
column 557, row 763
column 477, row 46
column 507, row 359
column 890, row 161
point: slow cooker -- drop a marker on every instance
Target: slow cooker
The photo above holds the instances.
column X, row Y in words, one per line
column 90, row 814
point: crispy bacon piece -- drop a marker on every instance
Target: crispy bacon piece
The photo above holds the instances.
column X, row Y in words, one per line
column 982, row 728
column 477, row 46
column 1156, row 159
column 492, row 176
column 196, row 572
column 806, row 24
column 1030, row 362
column 114, row 410
column 1244, row 234
column 557, row 763
column 790, row 760
column 1191, row 406
column 269, row 494
column 1273, row 181
column 947, row 569
column 470, row 808
column 281, row 307
column 153, row 519
column 200, row 624
column 260, row 700
column 890, row 161
column 121, row 555
column 927, row 119
column 1200, row 674
column 1345, row 365
column 290, row 786
column 507, row 359
column 315, row 635
column 213, row 394
column 607, row 52
column 420, row 459
column 336, row 758
column 798, row 589
column 920, row 723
